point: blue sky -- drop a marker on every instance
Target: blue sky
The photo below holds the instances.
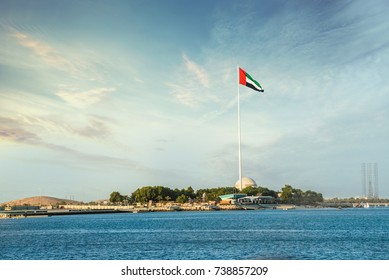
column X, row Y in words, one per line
column 99, row 96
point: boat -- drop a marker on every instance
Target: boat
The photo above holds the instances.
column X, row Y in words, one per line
column 256, row 202
column 208, row 207
column 174, row 208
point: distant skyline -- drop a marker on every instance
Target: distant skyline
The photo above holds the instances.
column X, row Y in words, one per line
column 102, row 96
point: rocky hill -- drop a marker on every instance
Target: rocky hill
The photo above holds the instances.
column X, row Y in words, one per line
column 40, row 201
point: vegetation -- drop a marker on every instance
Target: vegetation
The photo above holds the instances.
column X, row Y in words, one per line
column 259, row 191
column 290, row 195
column 163, row 194
column 214, row 193
column 116, row 198
column 156, row 194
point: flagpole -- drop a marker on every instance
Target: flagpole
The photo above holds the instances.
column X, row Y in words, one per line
column 239, row 138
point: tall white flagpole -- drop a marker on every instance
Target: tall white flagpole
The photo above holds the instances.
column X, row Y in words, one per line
column 239, row 138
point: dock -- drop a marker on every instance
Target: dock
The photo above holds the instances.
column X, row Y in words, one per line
column 17, row 214
column 111, row 209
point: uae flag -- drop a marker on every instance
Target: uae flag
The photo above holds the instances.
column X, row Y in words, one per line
column 246, row 80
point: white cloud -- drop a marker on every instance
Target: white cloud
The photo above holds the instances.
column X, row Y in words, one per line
column 192, row 85
column 10, row 130
column 49, row 55
column 84, row 98
column 195, row 70
column 77, row 63
column 183, row 95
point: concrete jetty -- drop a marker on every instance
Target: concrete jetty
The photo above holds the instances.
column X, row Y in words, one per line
column 63, row 210
column 15, row 214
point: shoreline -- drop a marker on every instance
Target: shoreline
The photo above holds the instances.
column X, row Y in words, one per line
column 69, row 210
column 88, row 210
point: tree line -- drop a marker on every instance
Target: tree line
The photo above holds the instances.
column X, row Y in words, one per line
column 288, row 195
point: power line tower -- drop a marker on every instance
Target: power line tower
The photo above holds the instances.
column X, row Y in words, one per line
column 369, row 177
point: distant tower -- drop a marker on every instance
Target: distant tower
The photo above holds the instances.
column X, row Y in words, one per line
column 363, row 180
column 370, row 193
column 369, row 176
column 376, row 180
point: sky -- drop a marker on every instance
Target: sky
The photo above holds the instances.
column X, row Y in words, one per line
column 103, row 96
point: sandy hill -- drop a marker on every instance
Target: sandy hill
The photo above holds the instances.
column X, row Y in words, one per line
column 40, row 200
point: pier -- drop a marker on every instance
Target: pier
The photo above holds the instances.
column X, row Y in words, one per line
column 15, row 214
column 110, row 209
column 97, row 209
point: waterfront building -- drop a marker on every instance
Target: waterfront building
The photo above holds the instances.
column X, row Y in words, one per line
column 230, row 198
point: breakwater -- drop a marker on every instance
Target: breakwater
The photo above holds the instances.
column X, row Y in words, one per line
column 102, row 209
column 48, row 213
column 110, row 209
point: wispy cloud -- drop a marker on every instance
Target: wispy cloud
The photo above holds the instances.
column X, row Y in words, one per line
column 94, row 129
column 10, row 130
column 13, row 131
column 80, row 64
column 183, row 94
column 195, row 70
column 77, row 67
column 192, row 85
column 42, row 116
column 84, row 98
column 49, row 55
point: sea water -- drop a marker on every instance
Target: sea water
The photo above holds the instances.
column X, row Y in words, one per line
column 348, row 234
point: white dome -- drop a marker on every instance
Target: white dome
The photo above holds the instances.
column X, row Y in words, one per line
column 246, row 182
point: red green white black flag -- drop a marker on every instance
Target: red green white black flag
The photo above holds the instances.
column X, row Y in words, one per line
column 246, row 80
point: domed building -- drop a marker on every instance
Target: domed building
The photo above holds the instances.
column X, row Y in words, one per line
column 246, row 182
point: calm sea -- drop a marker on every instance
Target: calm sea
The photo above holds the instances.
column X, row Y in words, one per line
column 349, row 234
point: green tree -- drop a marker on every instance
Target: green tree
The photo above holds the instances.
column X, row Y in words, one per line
column 312, row 198
column 115, row 197
column 182, row 198
column 299, row 197
column 267, row 192
column 250, row 190
column 189, row 192
column 214, row 193
column 155, row 193
column 286, row 193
